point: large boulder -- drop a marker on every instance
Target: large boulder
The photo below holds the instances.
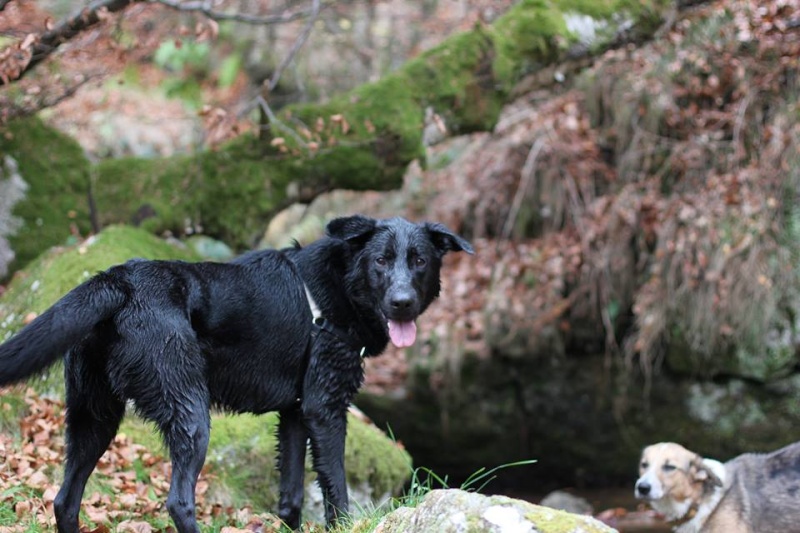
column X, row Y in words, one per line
column 458, row 511
column 59, row 269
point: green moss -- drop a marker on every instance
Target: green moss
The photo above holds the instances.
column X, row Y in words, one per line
column 131, row 190
column 229, row 194
column 243, row 453
column 527, row 34
column 58, row 270
column 57, row 173
column 459, row 81
column 555, row 521
column 371, row 457
column 534, row 32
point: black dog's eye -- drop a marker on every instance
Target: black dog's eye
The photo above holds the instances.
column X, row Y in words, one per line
column 668, row 468
column 380, row 261
column 420, row 262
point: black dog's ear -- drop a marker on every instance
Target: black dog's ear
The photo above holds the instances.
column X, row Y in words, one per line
column 447, row 241
column 350, row 228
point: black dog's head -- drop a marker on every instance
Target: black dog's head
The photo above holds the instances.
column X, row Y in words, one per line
column 396, row 267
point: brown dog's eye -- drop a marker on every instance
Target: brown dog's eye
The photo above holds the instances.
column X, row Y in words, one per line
column 644, row 465
column 668, row 468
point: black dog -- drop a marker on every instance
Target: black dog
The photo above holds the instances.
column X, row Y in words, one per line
column 271, row 331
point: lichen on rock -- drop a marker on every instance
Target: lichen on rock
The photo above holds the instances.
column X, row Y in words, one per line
column 459, row 511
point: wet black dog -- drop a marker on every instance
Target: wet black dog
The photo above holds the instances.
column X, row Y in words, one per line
column 271, row 331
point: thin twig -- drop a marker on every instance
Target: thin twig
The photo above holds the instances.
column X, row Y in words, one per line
column 738, row 145
column 296, row 46
column 204, row 7
column 275, row 122
column 526, row 177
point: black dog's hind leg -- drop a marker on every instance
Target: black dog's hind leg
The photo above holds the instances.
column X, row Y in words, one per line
column 187, row 438
column 176, row 398
column 292, row 438
column 327, row 433
column 92, row 419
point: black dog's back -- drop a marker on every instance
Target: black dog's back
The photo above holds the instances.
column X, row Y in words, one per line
column 238, row 331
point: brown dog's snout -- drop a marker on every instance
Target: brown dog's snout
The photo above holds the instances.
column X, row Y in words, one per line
column 643, row 488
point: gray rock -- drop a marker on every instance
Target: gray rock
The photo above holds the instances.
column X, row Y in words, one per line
column 458, row 511
column 564, row 501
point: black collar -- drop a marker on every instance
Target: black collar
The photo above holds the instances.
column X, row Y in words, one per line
column 322, row 324
column 340, row 333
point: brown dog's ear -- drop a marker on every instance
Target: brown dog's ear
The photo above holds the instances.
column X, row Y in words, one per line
column 703, row 473
column 350, row 228
column 447, row 241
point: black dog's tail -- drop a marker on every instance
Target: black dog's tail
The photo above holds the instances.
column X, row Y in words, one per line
column 50, row 335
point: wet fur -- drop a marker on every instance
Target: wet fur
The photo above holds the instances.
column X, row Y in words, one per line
column 177, row 339
column 751, row 493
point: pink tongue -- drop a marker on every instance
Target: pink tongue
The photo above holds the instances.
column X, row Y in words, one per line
column 403, row 334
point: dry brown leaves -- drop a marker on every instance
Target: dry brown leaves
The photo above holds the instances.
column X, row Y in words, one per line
column 136, row 479
column 633, row 187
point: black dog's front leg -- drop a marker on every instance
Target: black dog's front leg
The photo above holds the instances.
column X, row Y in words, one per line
column 327, row 447
column 292, row 438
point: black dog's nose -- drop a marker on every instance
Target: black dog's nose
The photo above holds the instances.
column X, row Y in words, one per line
column 643, row 488
column 402, row 302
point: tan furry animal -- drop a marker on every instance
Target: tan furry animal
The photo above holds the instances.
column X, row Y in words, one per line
column 752, row 493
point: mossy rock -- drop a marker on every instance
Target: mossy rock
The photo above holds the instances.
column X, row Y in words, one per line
column 765, row 357
column 58, row 270
column 453, row 510
column 57, row 173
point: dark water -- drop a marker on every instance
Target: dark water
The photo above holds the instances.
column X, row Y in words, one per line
column 616, row 507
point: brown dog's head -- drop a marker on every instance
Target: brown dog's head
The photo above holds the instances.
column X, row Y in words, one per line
column 673, row 479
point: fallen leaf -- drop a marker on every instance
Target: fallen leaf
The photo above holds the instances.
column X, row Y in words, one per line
column 129, row 526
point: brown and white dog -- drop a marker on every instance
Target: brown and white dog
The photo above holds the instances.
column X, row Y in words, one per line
column 752, row 493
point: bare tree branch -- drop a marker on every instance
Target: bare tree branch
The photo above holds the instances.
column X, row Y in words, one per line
column 20, row 58
column 298, row 44
column 40, row 47
column 205, row 7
